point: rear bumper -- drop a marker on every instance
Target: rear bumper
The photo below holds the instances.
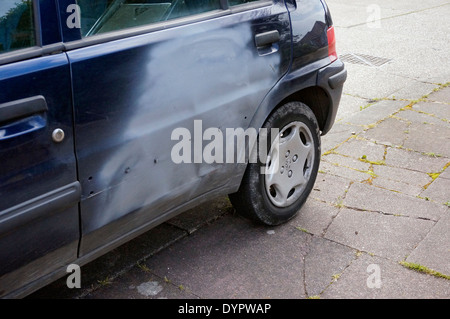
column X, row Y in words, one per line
column 332, row 78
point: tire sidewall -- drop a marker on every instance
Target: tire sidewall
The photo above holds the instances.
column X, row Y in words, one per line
column 265, row 209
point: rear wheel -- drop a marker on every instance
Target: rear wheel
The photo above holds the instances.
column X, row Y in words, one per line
column 274, row 189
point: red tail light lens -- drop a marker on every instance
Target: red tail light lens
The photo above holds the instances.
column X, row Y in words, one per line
column 332, row 44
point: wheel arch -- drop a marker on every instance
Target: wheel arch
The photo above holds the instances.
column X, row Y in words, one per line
column 294, row 87
column 315, row 98
column 321, row 90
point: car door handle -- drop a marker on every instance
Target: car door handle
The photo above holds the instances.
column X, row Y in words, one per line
column 267, row 38
column 22, row 108
column 22, row 116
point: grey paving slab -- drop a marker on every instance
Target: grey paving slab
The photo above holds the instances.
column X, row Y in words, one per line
column 346, row 161
column 438, row 191
column 387, row 79
column 330, row 188
column 314, row 217
column 432, row 139
column 434, row 251
column 414, row 91
column 371, row 198
column 414, row 160
column 406, row 6
column 363, row 149
column 388, row 9
column 376, row 112
column 421, row 118
column 203, row 214
column 339, row 134
column 445, row 173
column 439, row 110
column 350, row 105
column 400, row 180
column 117, row 261
column 359, row 281
column 230, row 259
column 342, row 171
column 391, row 131
column 442, row 95
column 140, row 283
column 388, row 236
column 324, row 260
column 358, row 17
column 429, row 54
column 393, row 39
column 402, row 175
column 364, row 81
column 397, row 186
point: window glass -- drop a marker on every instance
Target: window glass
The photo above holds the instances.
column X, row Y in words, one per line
column 16, row 25
column 237, row 2
column 100, row 16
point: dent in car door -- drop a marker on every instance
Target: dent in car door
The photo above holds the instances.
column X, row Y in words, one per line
column 39, row 192
column 131, row 94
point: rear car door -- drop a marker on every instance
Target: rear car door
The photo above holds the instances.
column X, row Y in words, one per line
column 39, row 191
column 141, row 69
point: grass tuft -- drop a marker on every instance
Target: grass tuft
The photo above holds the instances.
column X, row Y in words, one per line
column 423, row 269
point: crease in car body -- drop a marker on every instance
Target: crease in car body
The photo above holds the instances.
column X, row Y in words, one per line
column 229, row 66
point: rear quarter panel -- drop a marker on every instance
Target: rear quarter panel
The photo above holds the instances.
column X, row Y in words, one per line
column 309, row 55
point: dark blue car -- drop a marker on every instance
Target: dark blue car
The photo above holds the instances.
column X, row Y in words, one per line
column 116, row 115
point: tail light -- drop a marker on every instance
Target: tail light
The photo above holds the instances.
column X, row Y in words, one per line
column 332, row 44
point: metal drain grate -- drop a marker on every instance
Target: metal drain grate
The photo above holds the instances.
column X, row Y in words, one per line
column 364, row 59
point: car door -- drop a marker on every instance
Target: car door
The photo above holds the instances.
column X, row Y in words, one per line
column 143, row 69
column 39, row 191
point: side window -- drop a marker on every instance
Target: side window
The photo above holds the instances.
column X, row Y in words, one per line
column 100, row 16
column 16, row 25
column 238, row 2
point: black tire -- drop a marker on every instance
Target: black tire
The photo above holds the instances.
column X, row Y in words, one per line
column 272, row 198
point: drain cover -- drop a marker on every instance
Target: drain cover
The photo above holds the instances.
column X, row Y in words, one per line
column 364, row 59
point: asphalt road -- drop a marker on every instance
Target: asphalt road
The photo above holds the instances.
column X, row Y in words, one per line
column 379, row 207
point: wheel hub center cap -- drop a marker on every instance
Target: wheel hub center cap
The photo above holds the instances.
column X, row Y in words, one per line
column 295, row 155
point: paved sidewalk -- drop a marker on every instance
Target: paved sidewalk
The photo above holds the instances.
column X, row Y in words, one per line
column 380, row 206
column 379, row 211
